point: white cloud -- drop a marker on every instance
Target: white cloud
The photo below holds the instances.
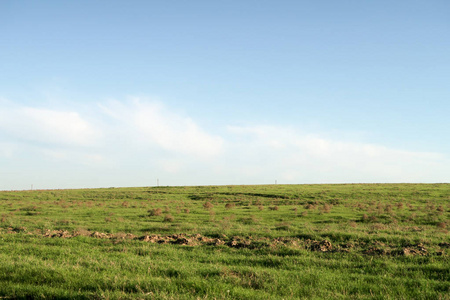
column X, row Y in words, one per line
column 145, row 140
column 150, row 122
column 282, row 153
column 47, row 126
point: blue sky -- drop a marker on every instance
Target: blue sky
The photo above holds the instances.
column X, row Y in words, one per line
column 120, row 93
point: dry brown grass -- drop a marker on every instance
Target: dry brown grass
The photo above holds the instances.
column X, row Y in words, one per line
column 360, row 206
column 310, row 206
column 326, row 208
column 412, row 217
column 155, row 212
column 208, row 205
column 430, row 207
column 373, row 219
column 441, row 225
column 229, row 205
column 378, row 226
column 388, row 208
column 365, row 218
column 168, row 218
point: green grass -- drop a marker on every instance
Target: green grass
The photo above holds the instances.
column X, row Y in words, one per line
column 357, row 241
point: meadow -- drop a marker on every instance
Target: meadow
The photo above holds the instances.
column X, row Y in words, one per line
column 349, row 241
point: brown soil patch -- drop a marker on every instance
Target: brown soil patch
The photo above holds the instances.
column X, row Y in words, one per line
column 444, row 245
column 375, row 248
column 418, row 249
column 322, row 246
column 376, row 251
column 57, row 233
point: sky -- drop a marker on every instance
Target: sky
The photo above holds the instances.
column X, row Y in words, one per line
column 135, row 93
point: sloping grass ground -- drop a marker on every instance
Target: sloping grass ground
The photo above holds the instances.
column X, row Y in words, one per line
column 374, row 241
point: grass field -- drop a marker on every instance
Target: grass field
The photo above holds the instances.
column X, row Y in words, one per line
column 357, row 241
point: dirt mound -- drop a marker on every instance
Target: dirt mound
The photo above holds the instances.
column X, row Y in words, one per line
column 376, row 251
column 150, row 238
column 100, row 235
column 444, row 245
column 180, row 239
column 57, row 233
column 177, row 239
column 346, row 247
column 217, row 242
column 322, row 246
column 238, row 242
column 249, row 242
column 17, row 230
column 407, row 250
column 418, row 249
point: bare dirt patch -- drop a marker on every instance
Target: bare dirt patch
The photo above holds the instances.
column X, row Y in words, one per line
column 249, row 242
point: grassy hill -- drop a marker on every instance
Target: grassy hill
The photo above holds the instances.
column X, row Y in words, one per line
column 385, row 241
